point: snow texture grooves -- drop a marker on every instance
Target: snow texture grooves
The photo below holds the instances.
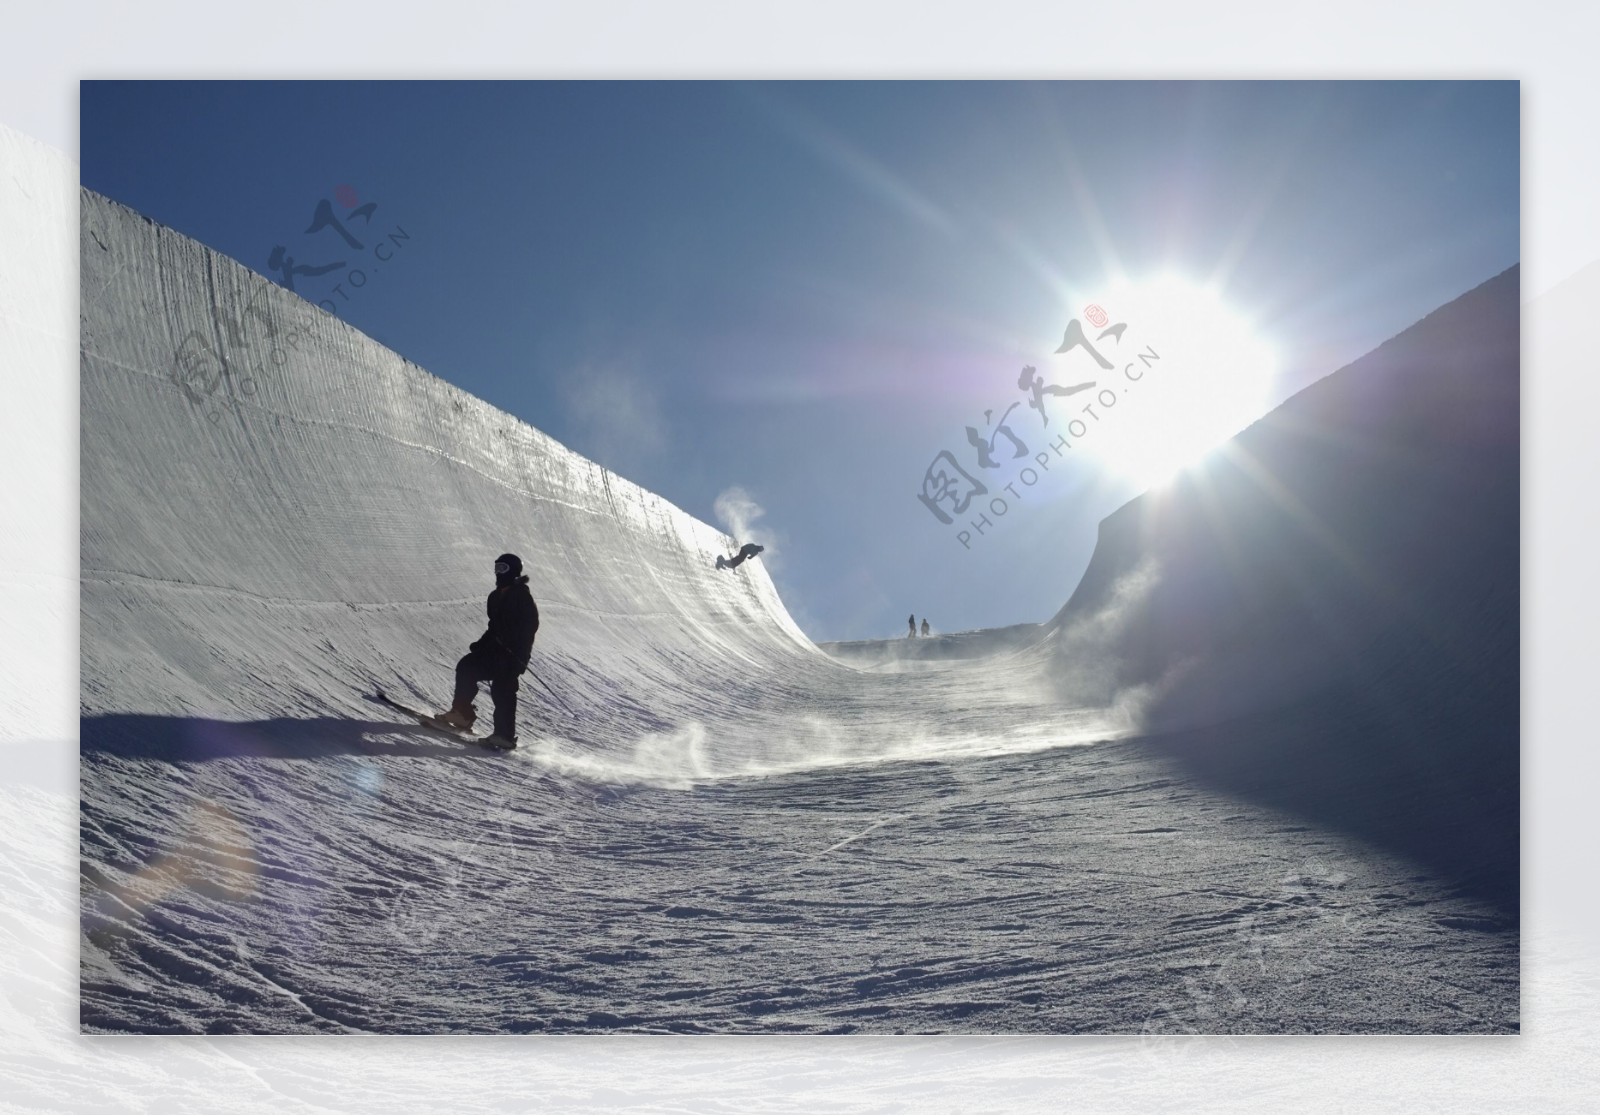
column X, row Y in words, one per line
column 711, row 826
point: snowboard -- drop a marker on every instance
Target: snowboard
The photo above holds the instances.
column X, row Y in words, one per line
column 437, row 725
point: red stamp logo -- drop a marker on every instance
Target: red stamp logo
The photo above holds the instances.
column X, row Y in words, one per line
column 347, row 196
column 1097, row 317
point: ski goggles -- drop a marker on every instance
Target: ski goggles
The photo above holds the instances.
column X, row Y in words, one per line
column 502, row 568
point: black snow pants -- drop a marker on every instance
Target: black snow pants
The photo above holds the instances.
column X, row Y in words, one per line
column 502, row 676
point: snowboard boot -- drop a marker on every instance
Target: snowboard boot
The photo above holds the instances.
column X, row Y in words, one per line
column 495, row 740
column 459, row 718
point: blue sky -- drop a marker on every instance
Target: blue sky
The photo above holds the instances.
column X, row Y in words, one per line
column 806, row 290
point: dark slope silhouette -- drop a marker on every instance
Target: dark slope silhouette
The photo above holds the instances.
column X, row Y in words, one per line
column 1329, row 610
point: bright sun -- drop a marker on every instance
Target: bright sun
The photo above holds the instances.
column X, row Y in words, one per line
column 1214, row 377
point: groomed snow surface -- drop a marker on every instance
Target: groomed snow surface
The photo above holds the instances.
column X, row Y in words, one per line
column 711, row 825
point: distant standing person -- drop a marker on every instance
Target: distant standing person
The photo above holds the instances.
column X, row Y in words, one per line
column 911, row 622
column 499, row 656
column 924, row 625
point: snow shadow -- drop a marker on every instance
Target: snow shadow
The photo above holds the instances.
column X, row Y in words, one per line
column 200, row 739
column 1434, row 782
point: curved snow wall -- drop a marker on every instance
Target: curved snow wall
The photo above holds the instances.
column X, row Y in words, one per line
column 276, row 509
column 1375, row 513
column 1336, row 595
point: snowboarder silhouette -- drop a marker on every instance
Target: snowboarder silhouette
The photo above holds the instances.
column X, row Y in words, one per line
column 924, row 625
column 911, row 622
column 748, row 550
column 499, row 656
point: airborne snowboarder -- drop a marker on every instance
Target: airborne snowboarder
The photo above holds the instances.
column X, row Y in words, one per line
column 748, row 550
column 499, row 656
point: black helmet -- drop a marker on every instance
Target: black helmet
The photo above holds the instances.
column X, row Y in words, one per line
column 507, row 568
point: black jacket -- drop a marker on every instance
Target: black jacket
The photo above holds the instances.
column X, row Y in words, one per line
column 513, row 621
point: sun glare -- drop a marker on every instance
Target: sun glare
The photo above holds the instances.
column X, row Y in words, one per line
column 1212, row 377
